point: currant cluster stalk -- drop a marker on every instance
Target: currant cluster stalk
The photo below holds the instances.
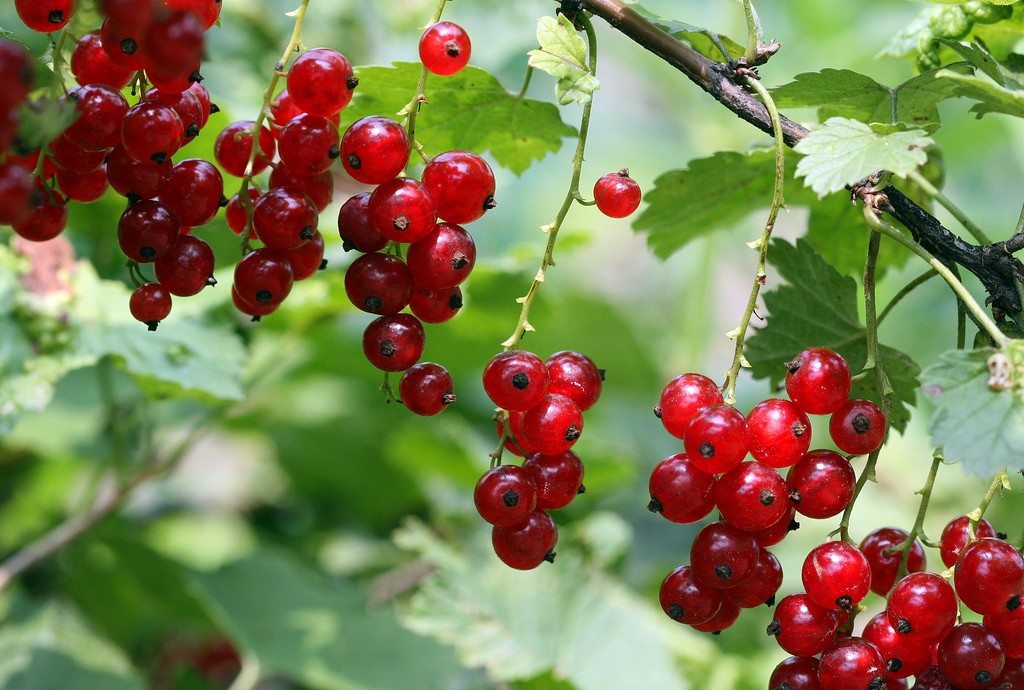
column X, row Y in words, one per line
column 412, row 110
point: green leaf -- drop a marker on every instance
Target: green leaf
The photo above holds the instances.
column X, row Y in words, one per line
column 563, row 55
column 52, row 649
column 44, row 122
column 991, row 97
column 818, row 307
column 470, row 111
column 299, row 624
column 698, row 38
column 845, row 151
column 981, row 426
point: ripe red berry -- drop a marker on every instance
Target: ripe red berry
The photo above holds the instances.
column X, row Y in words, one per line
column 186, row 104
column 375, row 150
column 956, row 534
column 435, row 306
column 575, row 376
column 751, row 496
column 442, row 259
column 150, row 303
column 91, row 65
column 16, row 192
column 617, row 194
column 146, row 230
column 727, row 614
column 795, row 673
column 151, row 132
column 836, row 575
column 378, row 284
column 193, row 192
column 393, row 343
column 527, row 544
column 445, row 48
column 716, row 440
column 884, row 565
column 681, row 492
column 760, row 585
column 46, row 219
column 320, row 82
column 686, row 599
column 923, row 604
column 904, row 655
column 234, row 146
column 84, row 187
column 309, row 144
column 858, row 427
column 821, row 484
column 558, row 478
column 135, row 180
column 553, row 425
column 775, row 533
column 355, row 227
column 186, row 267
column 123, row 44
column 402, row 210
column 307, row 258
column 505, row 495
column 683, row 398
column 971, row 657
column 1008, row 626
column 132, row 13
column 515, row 380
column 852, row 663
column 263, row 277
column 722, row 555
column 803, row 628
column 174, row 43
column 68, row 155
column 461, row 185
column 237, row 215
column 283, row 219
column 989, row 576
column 818, row 380
column 779, row 433
column 318, row 188
column 45, row 16
column 101, row 110
column 427, row 389
column 256, row 311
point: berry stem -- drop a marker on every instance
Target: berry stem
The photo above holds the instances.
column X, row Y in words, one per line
column 523, row 325
column 922, row 509
column 410, row 111
column 761, row 244
column 906, row 290
column 928, row 188
column 755, row 37
column 501, row 416
column 1001, row 480
column 526, row 85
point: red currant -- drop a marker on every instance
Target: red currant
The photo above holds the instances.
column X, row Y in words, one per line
column 234, row 146
column 686, row 599
column 319, row 188
column 956, row 534
column 151, row 132
column 355, row 227
column 122, row 44
column 186, row 104
column 722, row 555
column 818, row 380
column 558, row 478
column 307, row 258
column 836, row 575
column 15, row 74
column 174, row 42
column 575, row 376
column 858, row 427
column 435, row 306
column 237, row 215
column 283, row 219
column 904, row 655
column 923, row 604
column 45, row 220
column 779, row 433
column 91, row 65
column 256, row 311
column 193, row 192
column 852, row 663
column 821, row 484
column 795, row 673
column 320, row 82
column 150, row 304
column 751, row 496
column 135, row 180
column 1008, row 626
column 505, row 495
column 309, row 144
column 445, row 48
column 378, row 284
column 760, row 585
column 681, row 492
column 375, row 150
column 1013, row 675
column 932, row 679
column 84, row 187
column 442, row 259
column 727, row 614
column 101, row 110
column 67, row 155
column 402, row 210
column 989, row 576
column 263, row 277
column 45, row 16
column 716, row 440
column 617, row 194
column 527, row 544
column 553, row 425
column 15, row 193
column 461, row 185
column 971, row 657
column 393, row 343
column 885, row 565
column 775, row 533
column 146, row 230
column 515, row 380
column 803, row 628
column 683, row 398
column 427, row 389
column 186, row 267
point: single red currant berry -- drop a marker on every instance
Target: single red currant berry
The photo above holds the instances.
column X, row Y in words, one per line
column 858, row 427
column 1008, row 626
column 445, row 48
column 683, row 398
column 320, row 82
column 393, row 343
column 234, row 146
column 122, row 44
column 186, row 267
column 575, row 376
column 45, row 16
column 84, row 187
column 558, row 478
column 821, row 484
column 309, row 144
column 283, row 219
column 775, row 533
column 971, row 657
column 186, row 104
column 852, row 663
column 378, row 284
column 836, row 575
column 760, row 585
column 617, row 194
column 442, row 259
column 751, row 497
column 174, row 42
column 146, row 230
column 779, row 433
column 46, row 219
column 685, row 599
column 151, row 132
column 681, row 492
column 91, row 65
column 205, row 106
column 956, row 534
column 16, row 193
column 989, row 576
column 193, row 192
column 375, row 150
column 515, row 380
column 923, row 604
column 427, row 389
column 461, row 185
column 402, row 210
column 727, row 614
column 319, row 188
column 67, row 155
column 256, row 311
column 264, row 276
column 526, row 544
column 722, row 555
column 803, row 628
column 134, row 180
column 904, row 655
column 818, row 380
column 15, row 74
column 553, row 425
column 716, row 440
column 505, row 495
column 795, row 673
column 150, row 304
column 237, row 215
column 355, row 227
column 435, row 306
column 879, row 548
column 101, row 110
column 307, row 258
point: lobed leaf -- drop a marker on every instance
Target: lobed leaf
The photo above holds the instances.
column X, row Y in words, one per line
column 563, row 55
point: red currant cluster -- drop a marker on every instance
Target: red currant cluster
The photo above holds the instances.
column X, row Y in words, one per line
column 18, row 196
column 541, row 418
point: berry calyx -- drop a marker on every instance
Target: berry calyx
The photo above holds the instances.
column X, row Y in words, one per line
column 378, row 284
column 722, row 555
column 264, row 277
column 922, row 604
column 442, row 259
column 751, row 497
column 402, row 210
column 394, row 343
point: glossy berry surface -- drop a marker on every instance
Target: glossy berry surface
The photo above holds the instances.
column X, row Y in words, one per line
column 150, row 303
column 821, row 484
column 45, row 16
column 505, row 495
column 375, row 150
column 683, row 398
column 133, row 179
column 435, row 306
column 801, row 627
column 445, row 48
column 956, row 534
column 852, row 663
column 308, row 258
column 283, row 219
column 553, row 425
column 123, row 44
column 527, row 544
column 174, row 43
column 264, row 277
column 904, row 655
column 722, row 555
column 355, row 228
column 237, row 215
column 795, row 673
column 971, row 657
column 575, row 376
column 686, row 599
column 716, row 440
column 83, row 187
column 186, row 267
column 45, row 219
column 318, row 188
column 15, row 193
column 402, row 210
column 858, row 427
column 393, row 343
column 234, row 146
column 151, row 132
column 617, row 194
column 751, row 496
column 779, row 433
column 378, row 284
column 761, row 583
column 923, row 604
column 426, row 389
column 146, row 230
column 67, row 155
column 91, row 65
column 728, row 613
column 681, row 492
column 885, row 566
column 836, row 575
column 515, row 380
column 461, row 184
column 1008, row 626
column 818, row 380
column 101, row 110
column 989, row 576
column 442, row 259
column 309, row 144
column 776, row 532
column 320, row 82
column 558, row 478
column 193, row 191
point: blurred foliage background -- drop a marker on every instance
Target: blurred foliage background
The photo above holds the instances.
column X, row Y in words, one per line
column 328, row 540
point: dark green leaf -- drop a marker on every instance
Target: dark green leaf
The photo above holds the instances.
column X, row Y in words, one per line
column 839, row 93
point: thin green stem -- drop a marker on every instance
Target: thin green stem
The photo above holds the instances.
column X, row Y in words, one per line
column 928, row 188
column 922, row 509
column 740, row 334
column 755, row 34
column 1000, row 481
column 412, row 110
column 523, row 325
column 881, row 226
column 1020, row 222
column 526, row 83
column 906, row 290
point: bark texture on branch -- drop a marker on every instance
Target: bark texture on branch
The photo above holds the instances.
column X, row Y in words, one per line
column 994, row 265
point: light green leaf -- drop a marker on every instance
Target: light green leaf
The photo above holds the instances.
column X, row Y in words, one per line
column 845, row 151
column 818, row 307
column 991, row 97
column 698, row 38
column 978, row 425
column 563, row 55
column 470, row 111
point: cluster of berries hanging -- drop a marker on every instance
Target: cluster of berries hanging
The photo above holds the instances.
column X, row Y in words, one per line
column 541, row 418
